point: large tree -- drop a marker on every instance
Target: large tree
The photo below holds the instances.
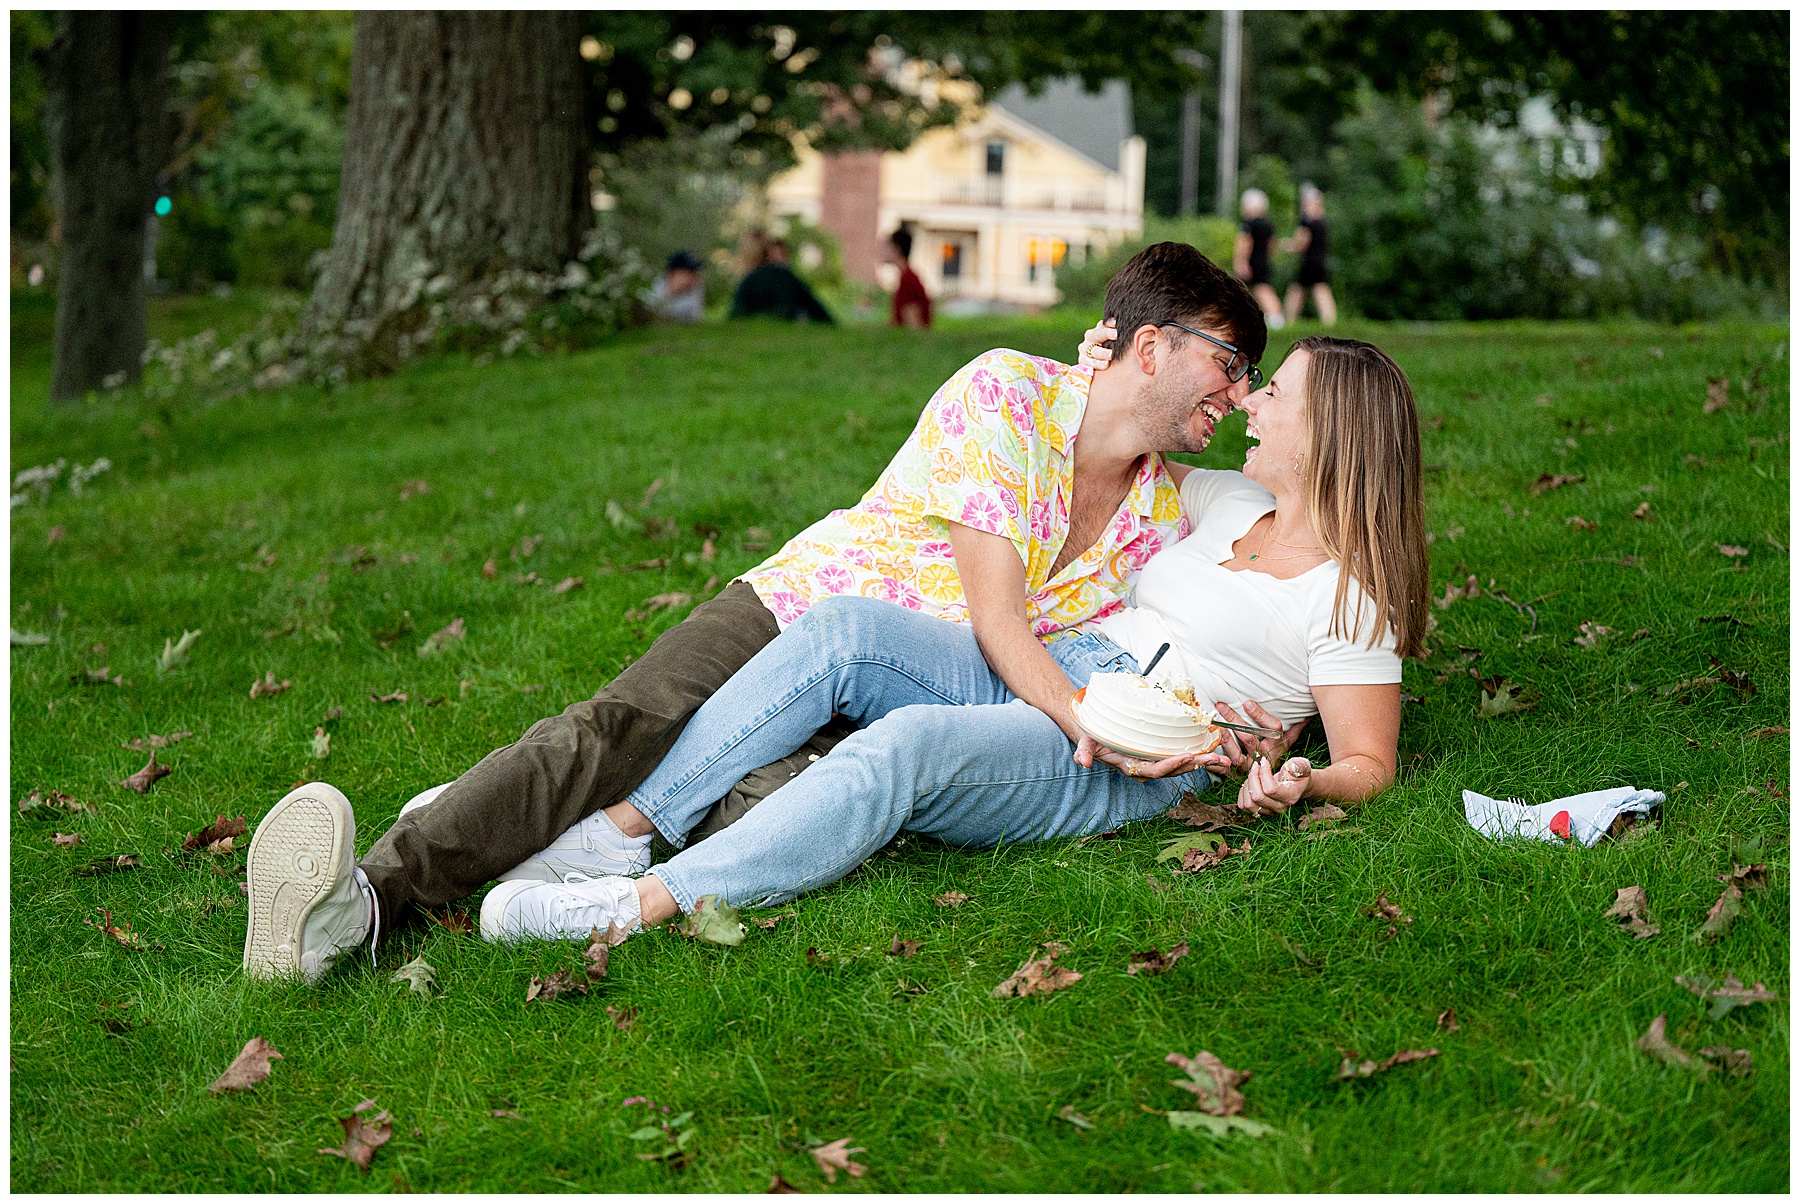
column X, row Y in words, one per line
column 110, row 132
column 466, row 154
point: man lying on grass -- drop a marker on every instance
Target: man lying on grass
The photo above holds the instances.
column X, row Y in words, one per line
column 1026, row 499
column 1303, row 582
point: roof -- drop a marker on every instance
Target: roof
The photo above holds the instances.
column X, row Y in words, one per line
column 1094, row 123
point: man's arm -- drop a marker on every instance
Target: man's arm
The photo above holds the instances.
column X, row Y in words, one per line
column 993, row 581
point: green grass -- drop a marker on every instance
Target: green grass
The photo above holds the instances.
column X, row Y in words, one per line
column 950, row 1090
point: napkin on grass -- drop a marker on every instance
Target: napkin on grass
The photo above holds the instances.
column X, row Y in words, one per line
column 1583, row 817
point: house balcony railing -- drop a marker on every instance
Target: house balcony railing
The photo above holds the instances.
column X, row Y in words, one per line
column 995, row 192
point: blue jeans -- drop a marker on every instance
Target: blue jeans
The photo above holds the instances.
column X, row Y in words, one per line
column 945, row 750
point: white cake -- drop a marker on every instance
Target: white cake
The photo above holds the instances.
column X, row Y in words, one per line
column 1127, row 712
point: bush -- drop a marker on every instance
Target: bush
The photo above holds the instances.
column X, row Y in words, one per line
column 1085, row 284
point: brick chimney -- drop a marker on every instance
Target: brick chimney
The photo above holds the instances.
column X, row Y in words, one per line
column 849, row 196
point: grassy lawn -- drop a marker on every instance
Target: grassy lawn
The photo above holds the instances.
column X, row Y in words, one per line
column 276, row 526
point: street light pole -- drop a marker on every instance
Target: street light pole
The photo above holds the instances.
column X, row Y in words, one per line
column 1231, row 64
column 1190, row 135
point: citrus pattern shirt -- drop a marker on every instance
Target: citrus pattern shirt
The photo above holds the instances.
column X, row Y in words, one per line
column 993, row 450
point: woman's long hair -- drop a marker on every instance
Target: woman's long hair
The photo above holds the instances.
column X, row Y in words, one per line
column 1365, row 487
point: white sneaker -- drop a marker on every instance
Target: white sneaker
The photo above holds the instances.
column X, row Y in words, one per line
column 591, row 848
column 308, row 900
column 520, row 910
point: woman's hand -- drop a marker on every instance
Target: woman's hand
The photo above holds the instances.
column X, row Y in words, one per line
column 1270, row 792
column 1090, row 354
column 1241, row 750
column 1090, row 750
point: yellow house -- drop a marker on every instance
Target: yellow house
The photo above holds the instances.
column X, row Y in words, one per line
column 996, row 203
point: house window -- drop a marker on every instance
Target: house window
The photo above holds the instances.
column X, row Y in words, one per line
column 1043, row 253
column 951, row 268
column 996, row 158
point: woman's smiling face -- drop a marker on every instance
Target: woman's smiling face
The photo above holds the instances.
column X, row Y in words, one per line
column 1277, row 421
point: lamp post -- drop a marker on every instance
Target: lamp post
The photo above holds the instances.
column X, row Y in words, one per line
column 1231, row 56
column 1190, row 134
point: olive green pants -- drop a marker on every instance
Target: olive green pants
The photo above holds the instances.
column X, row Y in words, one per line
column 566, row 767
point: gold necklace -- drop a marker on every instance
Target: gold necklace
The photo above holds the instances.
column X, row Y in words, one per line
column 1264, row 546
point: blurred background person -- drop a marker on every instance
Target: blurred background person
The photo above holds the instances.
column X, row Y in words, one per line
column 678, row 295
column 912, row 304
column 1311, row 241
column 771, row 289
column 1250, row 255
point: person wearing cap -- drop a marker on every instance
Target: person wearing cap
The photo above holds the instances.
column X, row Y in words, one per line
column 678, row 294
column 912, row 304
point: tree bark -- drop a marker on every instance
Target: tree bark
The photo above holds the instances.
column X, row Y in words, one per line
column 110, row 134
column 465, row 154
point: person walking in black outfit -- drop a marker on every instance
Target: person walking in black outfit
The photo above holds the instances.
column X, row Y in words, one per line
column 1311, row 241
column 1250, row 257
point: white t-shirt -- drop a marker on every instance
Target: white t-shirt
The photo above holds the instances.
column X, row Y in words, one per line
column 1245, row 635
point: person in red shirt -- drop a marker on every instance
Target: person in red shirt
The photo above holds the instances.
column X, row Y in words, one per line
column 912, row 305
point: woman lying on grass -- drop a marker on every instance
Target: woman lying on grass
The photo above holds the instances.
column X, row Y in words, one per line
column 1303, row 583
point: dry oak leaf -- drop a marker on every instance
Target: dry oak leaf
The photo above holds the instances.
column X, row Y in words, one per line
column 1769, row 733
column 1735, row 1062
column 1501, row 697
column 599, row 949
column 268, row 686
column 54, row 800
column 1747, row 877
column 1447, row 1021
column 143, row 779
column 1154, row 961
column 1214, row 1084
column 902, row 948
column 1456, row 593
column 418, row 972
column 1548, row 481
column 1197, row 859
column 1731, row 550
column 768, row 923
column 396, row 696
column 1322, row 814
column 1643, row 512
column 781, row 1187
column 1727, row 995
column 121, row 932
column 554, row 985
column 1656, row 1043
column 658, row 602
column 65, row 840
column 1381, row 909
column 1592, row 634
column 146, row 743
column 217, row 836
column 1718, row 394
column 622, row 1018
column 1724, row 910
column 1580, row 523
column 249, row 1068
column 567, row 584
column 713, row 922
column 443, row 637
column 1630, row 909
column 834, row 1157
column 457, row 922
column 950, row 898
column 1038, row 976
column 321, row 743
column 1350, row 1068
column 363, row 1135
column 111, row 865
column 1204, row 816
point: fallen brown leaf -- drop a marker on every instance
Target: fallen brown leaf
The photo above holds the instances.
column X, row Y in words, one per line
column 249, row 1068
column 1592, row 634
column 1580, row 523
column 1351, row 1068
column 1195, row 860
column 363, row 1135
column 1038, row 976
column 1075, row 1118
column 768, row 923
column 1724, row 910
column 1747, row 877
column 950, row 898
column 1154, row 961
column 525, row 578
column 1383, row 910
column 146, row 743
column 455, row 922
column 1447, row 1021
column 110, row 865
column 505, row 1114
column 1214, row 1084
column 834, row 1157
column 1630, row 909
column 321, row 743
column 55, row 800
column 220, row 831
column 1727, row 995
column 622, row 1018
column 443, row 637
column 143, row 779
column 658, row 602
column 121, row 932
column 1769, row 733
column 552, row 986
column 1195, row 814
column 599, row 951
column 1548, row 481
column 1656, row 1043
column 65, row 840
column 396, row 696
column 1322, row 814
column 490, row 570
column 268, row 686
column 567, row 584
column 413, row 488
column 781, row 1187
column 1718, row 394
column 1735, row 1062
column 103, row 676
column 902, row 948
column 1456, row 593
column 55, row 535
column 1732, row 551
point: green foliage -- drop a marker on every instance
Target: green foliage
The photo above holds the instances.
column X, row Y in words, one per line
column 31, row 36
column 1084, row 284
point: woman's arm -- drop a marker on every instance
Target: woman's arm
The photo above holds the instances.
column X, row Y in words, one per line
column 1240, row 255
column 1362, row 728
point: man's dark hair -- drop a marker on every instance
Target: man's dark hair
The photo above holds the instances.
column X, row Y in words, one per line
column 902, row 240
column 1173, row 282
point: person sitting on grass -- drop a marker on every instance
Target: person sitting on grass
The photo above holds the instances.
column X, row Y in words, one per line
column 1026, row 499
column 912, row 304
column 772, row 290
column 1303, row 583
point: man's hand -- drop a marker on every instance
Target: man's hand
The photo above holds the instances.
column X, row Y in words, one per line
column 1088, row 750
column 1241, row 750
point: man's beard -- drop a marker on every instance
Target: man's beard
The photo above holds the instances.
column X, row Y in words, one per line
column 1164, row 409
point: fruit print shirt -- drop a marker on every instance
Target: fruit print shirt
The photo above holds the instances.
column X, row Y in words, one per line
column 993, row 450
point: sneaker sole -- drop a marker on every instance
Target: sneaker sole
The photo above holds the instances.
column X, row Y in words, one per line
column 300, row 852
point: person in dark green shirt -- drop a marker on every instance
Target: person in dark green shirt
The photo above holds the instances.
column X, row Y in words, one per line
column 774, row 291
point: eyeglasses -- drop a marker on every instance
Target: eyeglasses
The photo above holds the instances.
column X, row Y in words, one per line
column 1237, row 367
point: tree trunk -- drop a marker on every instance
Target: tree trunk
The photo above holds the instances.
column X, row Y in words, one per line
column 465, row 153
column 110, row 134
